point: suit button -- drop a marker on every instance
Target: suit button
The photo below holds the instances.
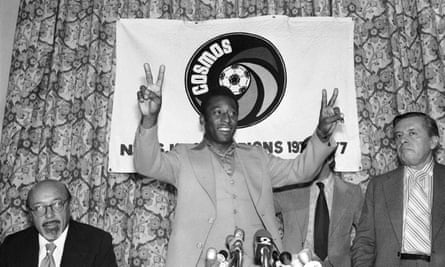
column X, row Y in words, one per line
column 211, row 220
column 199, row 245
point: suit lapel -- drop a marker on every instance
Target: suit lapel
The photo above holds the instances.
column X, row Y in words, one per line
column 303, row 221
column 204, row 170
column 75, row 249
column 393, row 194
column 438, row 210
column 340, row 203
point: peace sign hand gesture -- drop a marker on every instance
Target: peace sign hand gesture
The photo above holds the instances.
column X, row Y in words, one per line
column 150, row 97
column 330, row 115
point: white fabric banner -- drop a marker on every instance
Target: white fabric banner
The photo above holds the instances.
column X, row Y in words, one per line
column 276, row 65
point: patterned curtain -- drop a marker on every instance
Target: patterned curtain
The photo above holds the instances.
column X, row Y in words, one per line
column 60, row 94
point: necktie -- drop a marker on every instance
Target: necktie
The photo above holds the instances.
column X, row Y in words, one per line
column 417, row 226
column 321, row 227
column 48, row 261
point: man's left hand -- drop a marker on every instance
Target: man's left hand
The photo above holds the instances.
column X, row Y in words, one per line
column 330, row 115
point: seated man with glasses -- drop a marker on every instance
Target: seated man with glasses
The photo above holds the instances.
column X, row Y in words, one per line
column 55, row 239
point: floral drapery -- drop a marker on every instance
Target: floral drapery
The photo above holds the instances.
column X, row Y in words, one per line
column 60, row 94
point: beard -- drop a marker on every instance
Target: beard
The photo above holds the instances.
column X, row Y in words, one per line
column 51, row 229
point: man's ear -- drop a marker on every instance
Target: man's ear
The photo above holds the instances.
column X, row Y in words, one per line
column 435, row 142
column 201, row 120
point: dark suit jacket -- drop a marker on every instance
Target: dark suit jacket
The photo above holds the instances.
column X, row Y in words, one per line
column 85, row 246
column 346, row 207
column 379, row 234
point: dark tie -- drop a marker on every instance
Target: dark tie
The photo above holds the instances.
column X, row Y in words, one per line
column 48, row 261
column 321, row 227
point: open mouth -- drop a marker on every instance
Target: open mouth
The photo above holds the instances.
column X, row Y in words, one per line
column 51, row 224
column 225, row 129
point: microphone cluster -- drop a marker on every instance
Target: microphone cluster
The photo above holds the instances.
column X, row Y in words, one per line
column 266, row 253
column 232, row 258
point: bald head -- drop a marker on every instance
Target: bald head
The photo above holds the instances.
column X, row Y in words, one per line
column 52, row 185
column 48, row 202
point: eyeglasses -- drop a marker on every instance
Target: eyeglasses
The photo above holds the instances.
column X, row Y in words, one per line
column 56, row 206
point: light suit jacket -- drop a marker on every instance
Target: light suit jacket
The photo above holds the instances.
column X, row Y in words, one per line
column 345, row 212
column 85, row 246
column 379, row 234
column 188, row 167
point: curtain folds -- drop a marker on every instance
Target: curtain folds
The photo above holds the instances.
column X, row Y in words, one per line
column 60, row 96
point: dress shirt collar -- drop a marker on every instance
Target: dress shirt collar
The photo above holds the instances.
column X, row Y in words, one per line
column 327, row 181
column 59, row 242
column 228, row 153
column 428, row 169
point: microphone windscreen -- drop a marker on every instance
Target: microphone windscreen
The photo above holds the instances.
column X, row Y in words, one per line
column 262, row 246
column 239, row 234
column 236, row 244
column 262, row 233
column 223, row 254
column 305, row 255
column 210, row 257
column 285, row 257
column 229, row 240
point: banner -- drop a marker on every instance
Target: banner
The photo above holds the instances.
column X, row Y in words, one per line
column 277, row 67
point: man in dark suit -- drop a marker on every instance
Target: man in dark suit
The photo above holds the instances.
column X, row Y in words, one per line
column 297, row 205
column 403, row 218
column 54, row 239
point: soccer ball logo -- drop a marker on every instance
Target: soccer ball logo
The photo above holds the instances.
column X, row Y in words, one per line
column 236, row 78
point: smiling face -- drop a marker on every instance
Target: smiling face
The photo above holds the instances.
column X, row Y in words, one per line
column 51, row 223
column 414, row 143
column 220, row 120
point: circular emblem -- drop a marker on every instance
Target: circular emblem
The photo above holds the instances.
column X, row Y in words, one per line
column 248, row 64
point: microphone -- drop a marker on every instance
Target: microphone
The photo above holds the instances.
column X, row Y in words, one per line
column 223, row 255
column 235, row 245
column 222, row 258
column 262, row 246
column 286, row 258
column 283, row 259
column 304, row 256
column 238, row 241
column 210, row 257
column 275, row 258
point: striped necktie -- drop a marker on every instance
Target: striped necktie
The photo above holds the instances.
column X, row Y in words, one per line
column 48, row 261
column 417, row 225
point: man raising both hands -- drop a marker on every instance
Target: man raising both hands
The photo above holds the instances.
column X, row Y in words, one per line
column 222, row 185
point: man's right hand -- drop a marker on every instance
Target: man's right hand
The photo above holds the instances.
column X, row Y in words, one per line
column 150, row 97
